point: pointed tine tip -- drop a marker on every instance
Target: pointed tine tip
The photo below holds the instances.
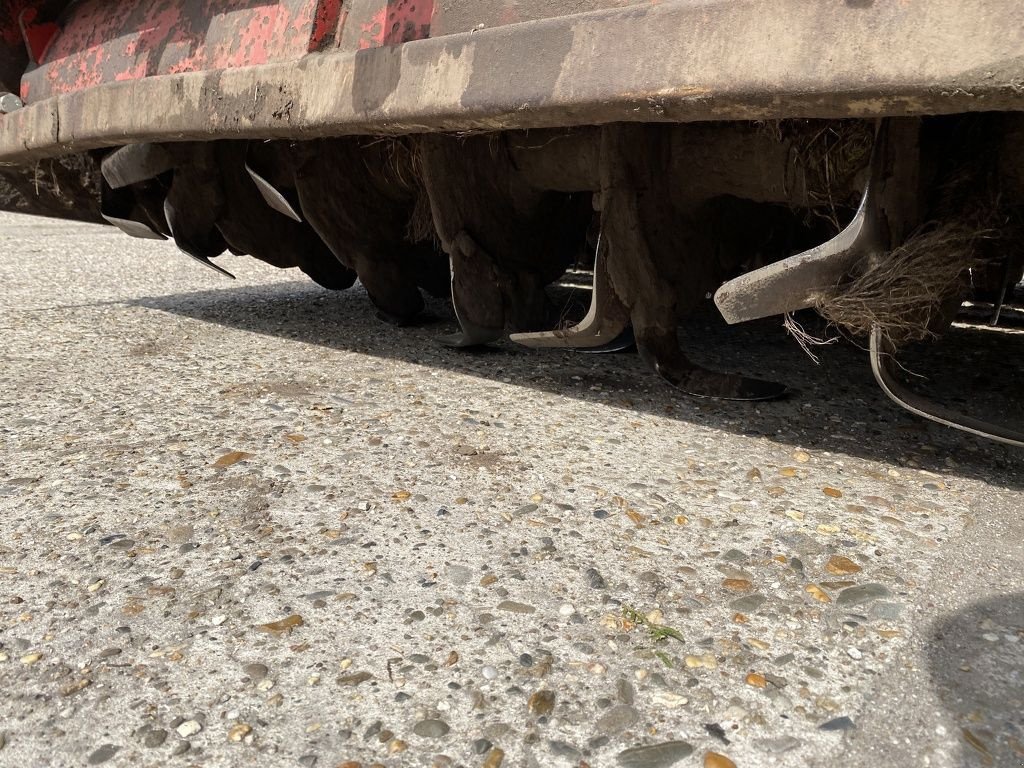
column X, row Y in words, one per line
column 207, row 263
column 221, row 270
column 751, row 391
column 756, row 389
column 714, row 385
column 458, row 341
column 134, row 228
column 468, row 340
column 273, row 197
column 624, row 342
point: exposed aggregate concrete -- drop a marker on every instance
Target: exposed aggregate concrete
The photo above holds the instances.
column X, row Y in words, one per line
column 247, row 524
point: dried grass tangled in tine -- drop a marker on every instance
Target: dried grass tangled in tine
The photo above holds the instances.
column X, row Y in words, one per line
column 421, row 224
column 826, row 158
column 902, row 292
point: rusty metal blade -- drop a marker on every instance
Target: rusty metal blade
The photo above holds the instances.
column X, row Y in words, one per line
column 793, row 283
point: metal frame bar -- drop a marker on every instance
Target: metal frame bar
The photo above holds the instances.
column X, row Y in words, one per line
column 673, row 62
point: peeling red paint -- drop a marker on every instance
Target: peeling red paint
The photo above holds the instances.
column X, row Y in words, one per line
column 398, row 21
column 103, row 41
column 106, row 42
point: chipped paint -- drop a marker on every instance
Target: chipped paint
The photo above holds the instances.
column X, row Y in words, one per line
column 396, row 22
column 553, row 72
column 102, row 42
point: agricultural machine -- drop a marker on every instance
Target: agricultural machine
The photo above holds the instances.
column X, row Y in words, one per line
column 864, row 158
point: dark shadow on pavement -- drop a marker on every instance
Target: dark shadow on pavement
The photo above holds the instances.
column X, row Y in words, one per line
column 976, row 660
column 837, row 407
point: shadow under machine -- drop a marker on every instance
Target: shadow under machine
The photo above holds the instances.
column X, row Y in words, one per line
column 861, row 159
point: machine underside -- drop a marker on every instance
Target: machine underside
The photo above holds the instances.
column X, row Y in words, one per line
column 864, row 160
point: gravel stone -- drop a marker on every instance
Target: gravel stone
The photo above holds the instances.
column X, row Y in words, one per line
column 431, row 729
column 748, row 604
column 103, row 754
column 661, row 755
column 594, row 579
column 256, row 672
column 188, row 728
column 186, row 464
column 564, row 749
column 154, row 738
column 863, row 593
column 617, row 719
column 513, row 607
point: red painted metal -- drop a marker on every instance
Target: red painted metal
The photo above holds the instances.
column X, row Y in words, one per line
column 327, row 25
column 104, row 42
column 10, row 30
column 396, row 22
column 39, row 34
column 13, row 57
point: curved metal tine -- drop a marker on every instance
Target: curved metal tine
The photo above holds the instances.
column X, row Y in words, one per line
column 134, row 228
column 274, row 198
column 624, row 342
column 604, row 323
column 470, row 334
column 793, row 283
column 700, row 382
column 469, row 337
column 997, row 310
column 171, row 215
column 118, row 214
column 135, row 163
column 883, row 367
column 661, row 352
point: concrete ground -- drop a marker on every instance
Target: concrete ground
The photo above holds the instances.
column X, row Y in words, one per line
column 244, row 523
